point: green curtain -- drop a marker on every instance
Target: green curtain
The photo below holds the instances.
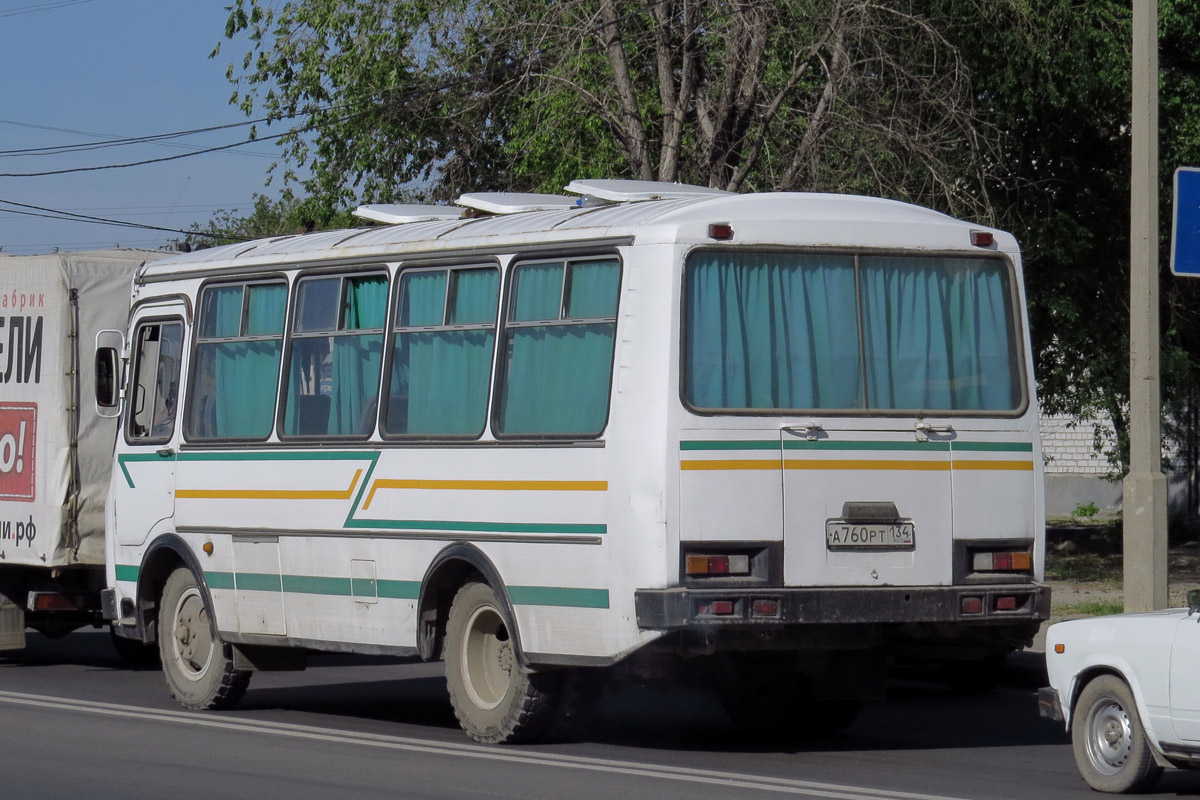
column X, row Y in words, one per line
column 447, row 376
column 267, row 307
column 440, row 379
column 475, row 295
column 235, row 392
column 222, row 312
column 772, row 330
column 538, row 292
column 365, row 305
column 352, row 405
column 594, row 286
column 422, row 298
column 558, row 379
column 938, row 334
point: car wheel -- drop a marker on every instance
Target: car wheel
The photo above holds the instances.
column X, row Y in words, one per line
column 1109, row 740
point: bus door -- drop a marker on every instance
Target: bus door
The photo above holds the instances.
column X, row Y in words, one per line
column 867, row 505
column 144, row 482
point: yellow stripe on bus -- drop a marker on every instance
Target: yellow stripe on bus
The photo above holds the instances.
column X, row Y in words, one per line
column 493, row 486
column 1026, row 466
column 270, row 494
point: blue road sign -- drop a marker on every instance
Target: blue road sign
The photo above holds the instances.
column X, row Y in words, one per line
column 1185, row 232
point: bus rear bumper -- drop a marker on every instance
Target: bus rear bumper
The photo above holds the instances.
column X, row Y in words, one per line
column 694, row 608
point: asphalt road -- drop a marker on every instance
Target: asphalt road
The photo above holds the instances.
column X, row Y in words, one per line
column 77, row 723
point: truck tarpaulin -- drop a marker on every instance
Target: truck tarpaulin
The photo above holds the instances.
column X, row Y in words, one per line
column 55, row 451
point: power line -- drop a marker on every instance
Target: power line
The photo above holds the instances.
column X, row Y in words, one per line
column 19, row 10
column 67, row 216
column 117, row 141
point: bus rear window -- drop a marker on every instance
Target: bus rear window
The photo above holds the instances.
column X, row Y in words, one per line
column 782, row 332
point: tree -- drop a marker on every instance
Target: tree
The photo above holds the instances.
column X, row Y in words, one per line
column 458, row 95
column 270, row 217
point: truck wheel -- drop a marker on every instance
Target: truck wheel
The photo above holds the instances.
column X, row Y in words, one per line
column 1108, row 739
column 495, row 699
column 198, row 666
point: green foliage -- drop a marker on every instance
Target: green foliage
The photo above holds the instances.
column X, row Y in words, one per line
column 269, row 218
column 1085, row 511
column 1091, row 608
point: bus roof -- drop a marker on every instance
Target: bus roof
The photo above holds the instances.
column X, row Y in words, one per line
column 786, row 219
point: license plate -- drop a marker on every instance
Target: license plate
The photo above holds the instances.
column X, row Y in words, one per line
column 843, row 535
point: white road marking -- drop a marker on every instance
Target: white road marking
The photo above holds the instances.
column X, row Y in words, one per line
column 730, row 780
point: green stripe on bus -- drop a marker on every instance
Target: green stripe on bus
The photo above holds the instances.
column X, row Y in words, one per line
column 478, row 527
column 219, row 580
column 313, row 584
column 804, row 444
column 772, row 444
column 399, row 590
column 258, row 582
column 558, row 596
column 125, row 572
column 561, row 596
column 993, row 447
column 286, row 455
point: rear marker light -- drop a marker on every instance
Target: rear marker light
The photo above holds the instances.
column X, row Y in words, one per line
column 721, row 608
column 1060, row 648
column 765, row 607
column 972, row 605
column 721, row 231
column 982, row 238
column 1006, row 603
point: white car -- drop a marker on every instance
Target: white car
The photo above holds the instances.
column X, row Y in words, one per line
column 1126, row 687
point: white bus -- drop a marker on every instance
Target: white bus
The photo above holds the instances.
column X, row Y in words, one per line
column 788, row 436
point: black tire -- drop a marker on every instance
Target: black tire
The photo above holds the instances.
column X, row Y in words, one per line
column 133, row 652
column 495, row 699
column 197, row 665
column 1109, row 741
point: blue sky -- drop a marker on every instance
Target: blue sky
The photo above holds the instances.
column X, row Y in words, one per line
column 119, row 68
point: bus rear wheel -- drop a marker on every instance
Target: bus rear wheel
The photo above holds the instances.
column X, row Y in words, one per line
column 197, row 665
column 495, row 699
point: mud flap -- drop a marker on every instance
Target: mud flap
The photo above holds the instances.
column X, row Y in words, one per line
column 12, row 626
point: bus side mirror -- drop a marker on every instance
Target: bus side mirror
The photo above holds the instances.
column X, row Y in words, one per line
column 107, row 364
column 107, row 373
column 1193, row 601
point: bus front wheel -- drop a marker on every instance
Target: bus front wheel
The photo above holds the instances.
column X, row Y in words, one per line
column 197, row 665
column 495, row 699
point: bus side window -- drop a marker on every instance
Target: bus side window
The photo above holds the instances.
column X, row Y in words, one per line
column 442, row 352
column 159, row 347
column 559, row 340
column 332, row 376
column 236, row 371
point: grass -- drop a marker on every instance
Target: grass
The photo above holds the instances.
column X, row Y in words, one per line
column 1093, row 608
column 1084, row 567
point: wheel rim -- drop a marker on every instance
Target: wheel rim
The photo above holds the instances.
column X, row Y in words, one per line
column 1109, row 737
column 191, row 637
column 487, row 658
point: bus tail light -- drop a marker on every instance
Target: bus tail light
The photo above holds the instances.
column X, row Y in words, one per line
column 718, row 565
column 1002, row 561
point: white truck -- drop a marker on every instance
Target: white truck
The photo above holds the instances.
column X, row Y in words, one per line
column 55, row 450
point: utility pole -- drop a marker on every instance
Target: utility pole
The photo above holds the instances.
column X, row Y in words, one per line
column 1145, row 487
